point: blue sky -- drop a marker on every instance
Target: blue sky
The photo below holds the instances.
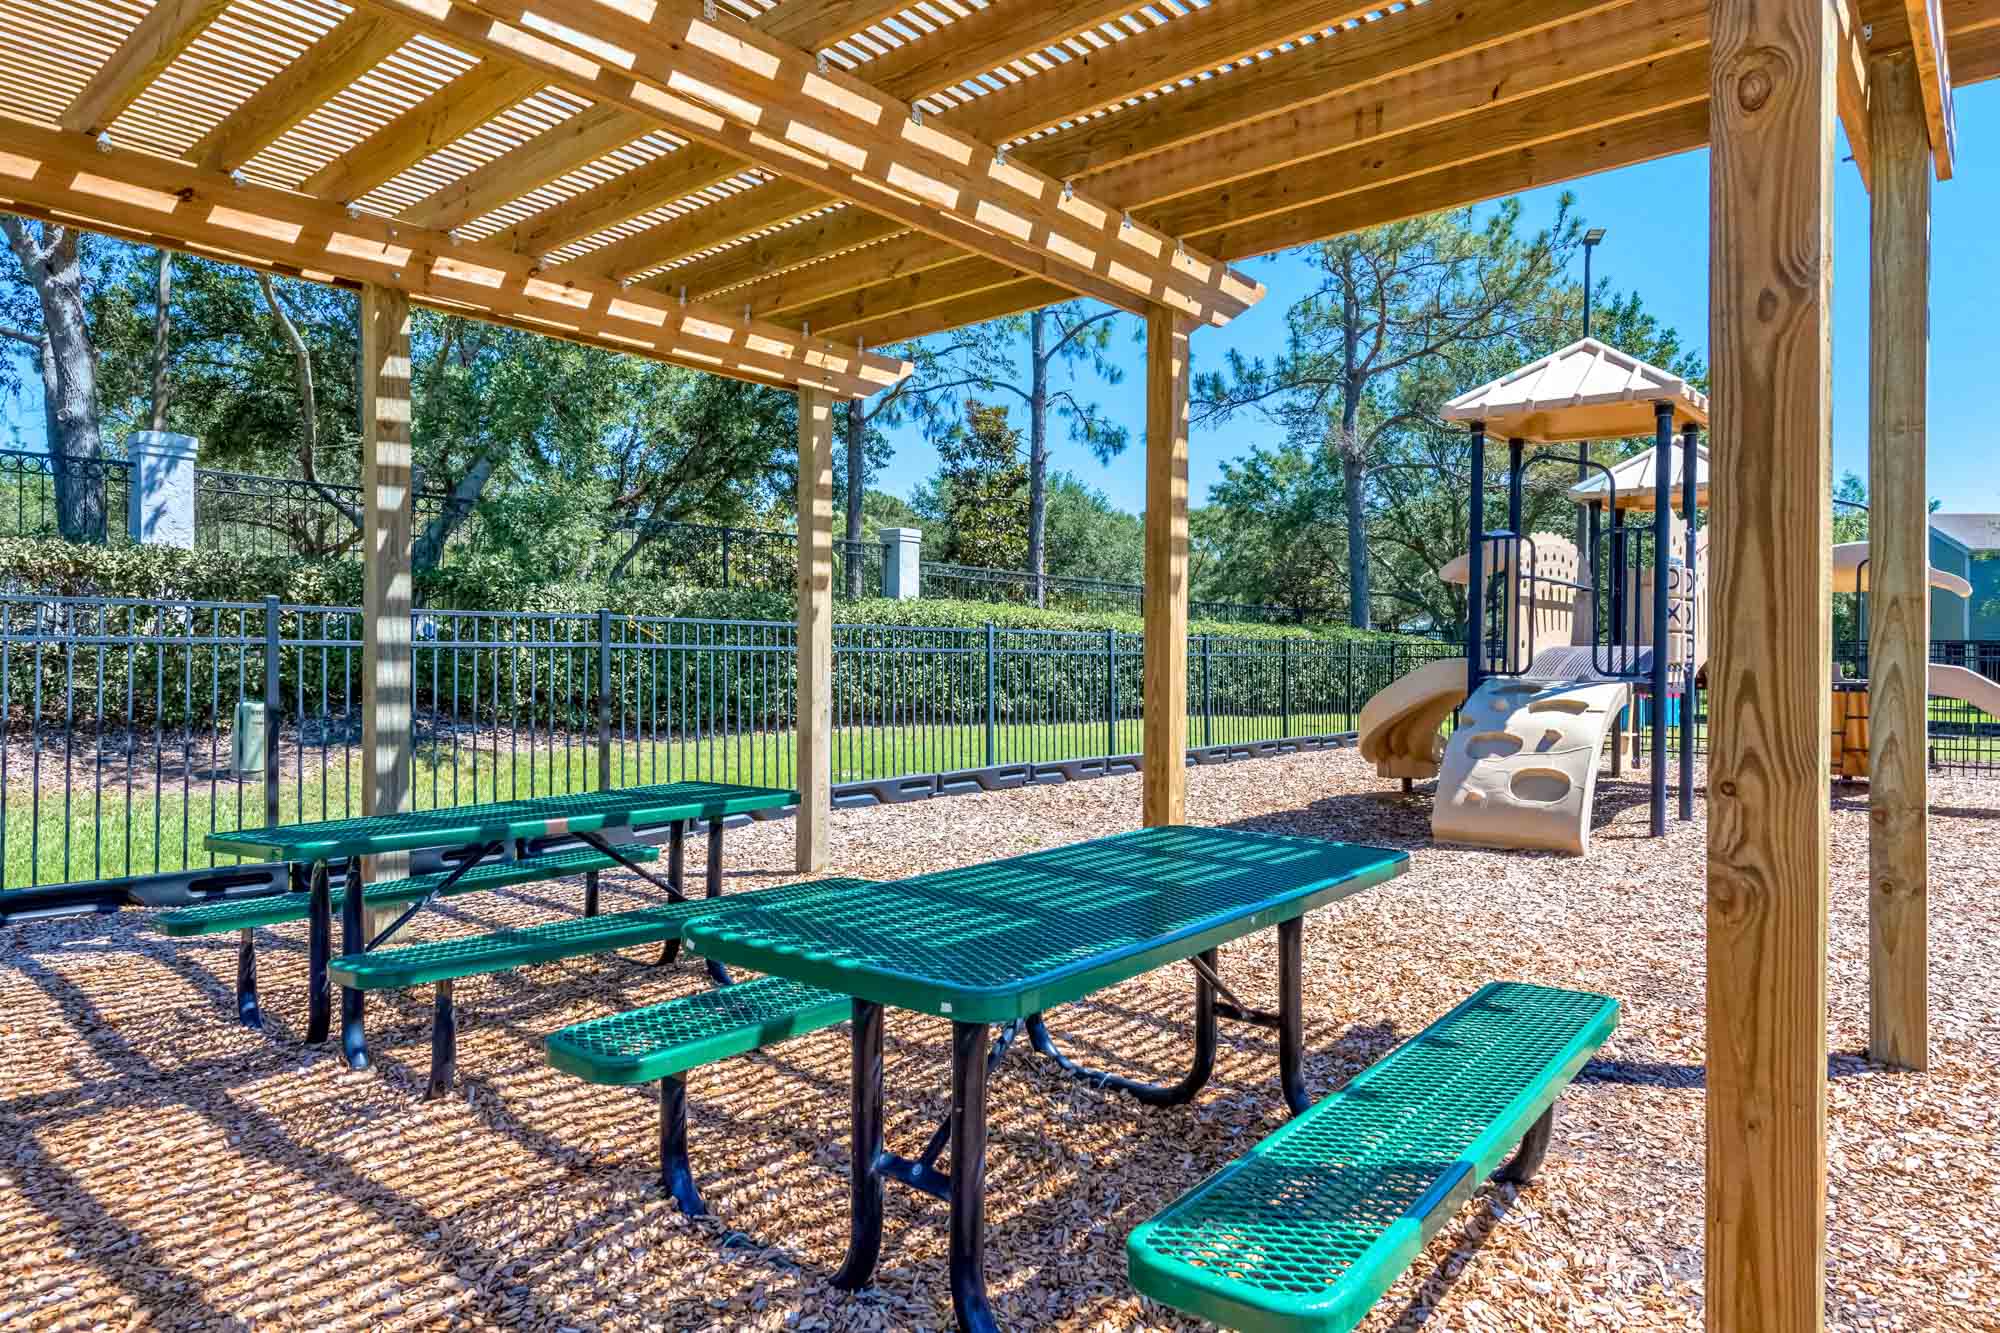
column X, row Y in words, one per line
column 1656, row 216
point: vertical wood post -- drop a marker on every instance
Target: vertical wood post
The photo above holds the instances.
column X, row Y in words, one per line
column 815, row 647
column 1899, row 599
column 1770, row 279
column 1164, row 762
column 385, row 573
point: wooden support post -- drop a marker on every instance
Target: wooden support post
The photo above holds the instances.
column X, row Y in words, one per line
column 385, row 573
column 1899, row 601
column 1770, row 289
column 815, row 647
column 1166, row 724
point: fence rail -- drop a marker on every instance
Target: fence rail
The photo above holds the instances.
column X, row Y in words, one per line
column 122, row 715
column 972, row 583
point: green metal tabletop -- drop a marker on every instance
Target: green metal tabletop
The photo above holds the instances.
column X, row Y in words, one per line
column 999, row 941
column 499, row 821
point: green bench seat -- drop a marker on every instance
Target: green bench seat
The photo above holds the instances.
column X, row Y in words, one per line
column 1311, row 1226
column 664, row 1041
column 442, row 962
column 278, row 908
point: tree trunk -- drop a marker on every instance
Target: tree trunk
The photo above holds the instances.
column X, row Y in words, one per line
column 162, row 326
column 428, row 550
column 69, row 379
column 857, row 431
column 1354, row 467
column 1038, row 454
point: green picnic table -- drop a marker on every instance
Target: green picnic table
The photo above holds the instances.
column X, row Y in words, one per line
column 476, row 832
column 1006, row 941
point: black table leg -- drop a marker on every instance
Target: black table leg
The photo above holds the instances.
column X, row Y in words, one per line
column 444, row 1043
column 676, row 1172
column 864, row 1236
column 1152, row 1094
column 247, row 1012
column 712, row 882
column 1292, row 1014
column 590, row 893
column 319, row 952
column 969, row 1063
column 676, row 880
column 353, row 939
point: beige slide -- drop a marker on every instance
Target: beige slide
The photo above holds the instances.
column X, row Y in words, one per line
column 1399, row 725
column 1521, row 769
column 1967, row 686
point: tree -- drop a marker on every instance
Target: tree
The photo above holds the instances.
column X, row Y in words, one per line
column 1019, row 355
column 1389, row 298
column 51, row 260
column 922, row 396
column 980, row 493
column 1089, row 537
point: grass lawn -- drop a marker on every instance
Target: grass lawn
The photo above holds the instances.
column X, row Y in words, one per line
column 99, row 828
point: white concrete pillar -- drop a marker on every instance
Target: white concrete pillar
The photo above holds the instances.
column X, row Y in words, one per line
column 161, row 509
column 902, row 563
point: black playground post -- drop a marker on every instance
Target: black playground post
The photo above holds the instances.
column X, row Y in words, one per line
column 1475, row 571
column 1663, row 513
column 1690, row 436
column 1513, row 598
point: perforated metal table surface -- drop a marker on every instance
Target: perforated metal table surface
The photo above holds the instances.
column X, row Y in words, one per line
column 994, row 942
column 501, row 821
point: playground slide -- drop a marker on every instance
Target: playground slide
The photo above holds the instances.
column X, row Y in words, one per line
column 1398, row 729
column 1521, row 769
column 1956, row 682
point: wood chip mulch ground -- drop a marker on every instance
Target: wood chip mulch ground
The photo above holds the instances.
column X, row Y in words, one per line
column 162, row 1167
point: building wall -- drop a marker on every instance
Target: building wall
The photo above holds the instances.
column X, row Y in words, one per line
column 1948, row 610
column 1985, row 580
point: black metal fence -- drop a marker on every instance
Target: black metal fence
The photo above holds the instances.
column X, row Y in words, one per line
column 712, row 556
column 972, row 583
column 133, row 727
column 233, row 511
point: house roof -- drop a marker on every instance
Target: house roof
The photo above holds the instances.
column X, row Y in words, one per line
column 1975, row 532
column 1587, row 391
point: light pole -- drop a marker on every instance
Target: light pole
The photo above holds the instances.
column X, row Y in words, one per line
column 1590, row 240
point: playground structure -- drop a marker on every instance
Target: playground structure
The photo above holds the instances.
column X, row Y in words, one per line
column 1550, row 673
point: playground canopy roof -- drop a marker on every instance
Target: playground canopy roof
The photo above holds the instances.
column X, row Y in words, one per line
column 769, row 190
column 1587, row 391
column 1633, row 480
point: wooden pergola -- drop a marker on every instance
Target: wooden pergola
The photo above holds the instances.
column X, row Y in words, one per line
column 770, row 191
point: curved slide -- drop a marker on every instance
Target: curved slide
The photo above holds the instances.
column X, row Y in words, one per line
column 1957, row 682
column 1398, row 727
column 1521, row 768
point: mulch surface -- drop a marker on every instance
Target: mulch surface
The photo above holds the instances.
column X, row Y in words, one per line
column 162, row 1167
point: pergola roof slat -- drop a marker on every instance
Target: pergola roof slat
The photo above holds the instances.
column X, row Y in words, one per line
column 169, row 27
column 358, row 44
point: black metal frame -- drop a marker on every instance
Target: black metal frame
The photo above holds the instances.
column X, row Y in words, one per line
column 975, row 1054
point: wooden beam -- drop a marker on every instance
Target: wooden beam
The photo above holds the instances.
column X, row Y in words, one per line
column 447, row 115
column 968, row 275
column 983, row 40
column 386, row 484
column 820, row 239
column 1770, row 299
column 815, row 642
column 1163, row 757
column 1927, row 41
column 1851, row 86
column 161, row 202
column 549, row 156
column 719, row 81
column 1525, row 37
column 168, row 29
column 999, row 302
column 352, row 47
column 809, row 287
column 1976, row 57
column 1899, row 601
column 1631, row 94
column 766, row 205
column 685, row 171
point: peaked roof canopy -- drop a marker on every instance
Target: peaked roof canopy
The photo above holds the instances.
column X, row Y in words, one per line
column 1633, row 478
column 1587, row 391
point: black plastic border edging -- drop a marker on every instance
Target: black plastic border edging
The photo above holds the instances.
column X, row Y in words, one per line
column 182, row 888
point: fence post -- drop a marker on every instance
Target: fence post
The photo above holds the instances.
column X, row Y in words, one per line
column 604, row 699
column 273, row 698
column 1110, row 692
column 1207, row 700
column 1347, row 694
column 1284, row 689
column 992, row 700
